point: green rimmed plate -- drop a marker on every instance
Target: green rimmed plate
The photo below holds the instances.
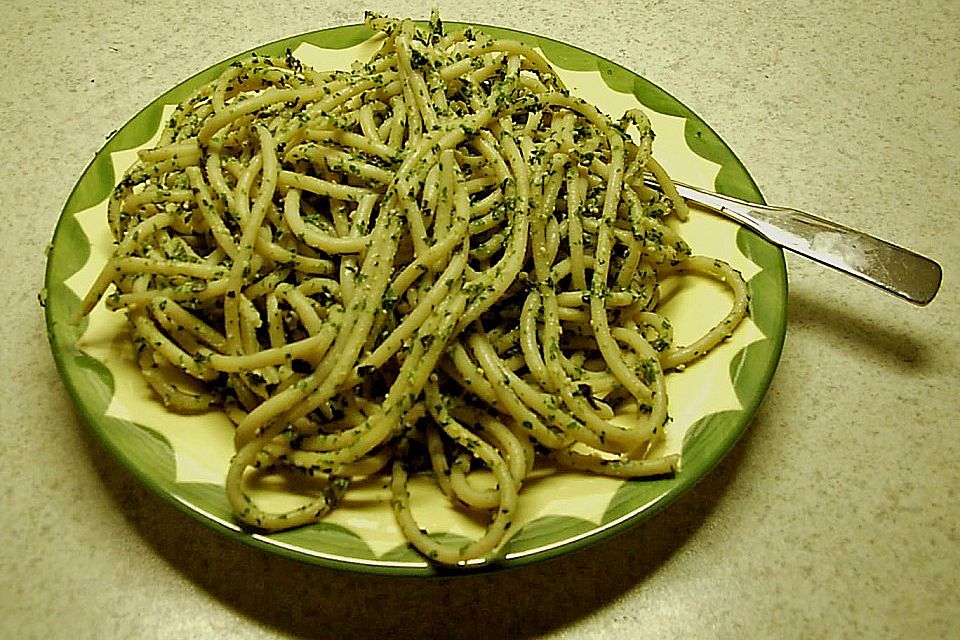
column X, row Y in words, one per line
column 184, row 458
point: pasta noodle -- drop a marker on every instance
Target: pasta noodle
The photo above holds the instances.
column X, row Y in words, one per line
column 438, row 261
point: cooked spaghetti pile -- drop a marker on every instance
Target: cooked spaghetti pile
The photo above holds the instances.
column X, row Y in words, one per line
column 439, row 259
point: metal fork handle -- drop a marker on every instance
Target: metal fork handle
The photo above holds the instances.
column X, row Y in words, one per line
column 896, row 270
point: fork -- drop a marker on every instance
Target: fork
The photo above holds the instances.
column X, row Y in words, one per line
column 896, row 270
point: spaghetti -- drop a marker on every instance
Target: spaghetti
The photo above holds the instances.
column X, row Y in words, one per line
column 439, row 260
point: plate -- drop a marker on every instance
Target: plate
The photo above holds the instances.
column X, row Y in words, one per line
column 184, row 458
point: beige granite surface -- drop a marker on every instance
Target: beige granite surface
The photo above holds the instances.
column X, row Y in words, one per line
column 835, row 516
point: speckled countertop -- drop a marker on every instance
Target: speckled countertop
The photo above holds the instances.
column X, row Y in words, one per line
column 835, row 516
